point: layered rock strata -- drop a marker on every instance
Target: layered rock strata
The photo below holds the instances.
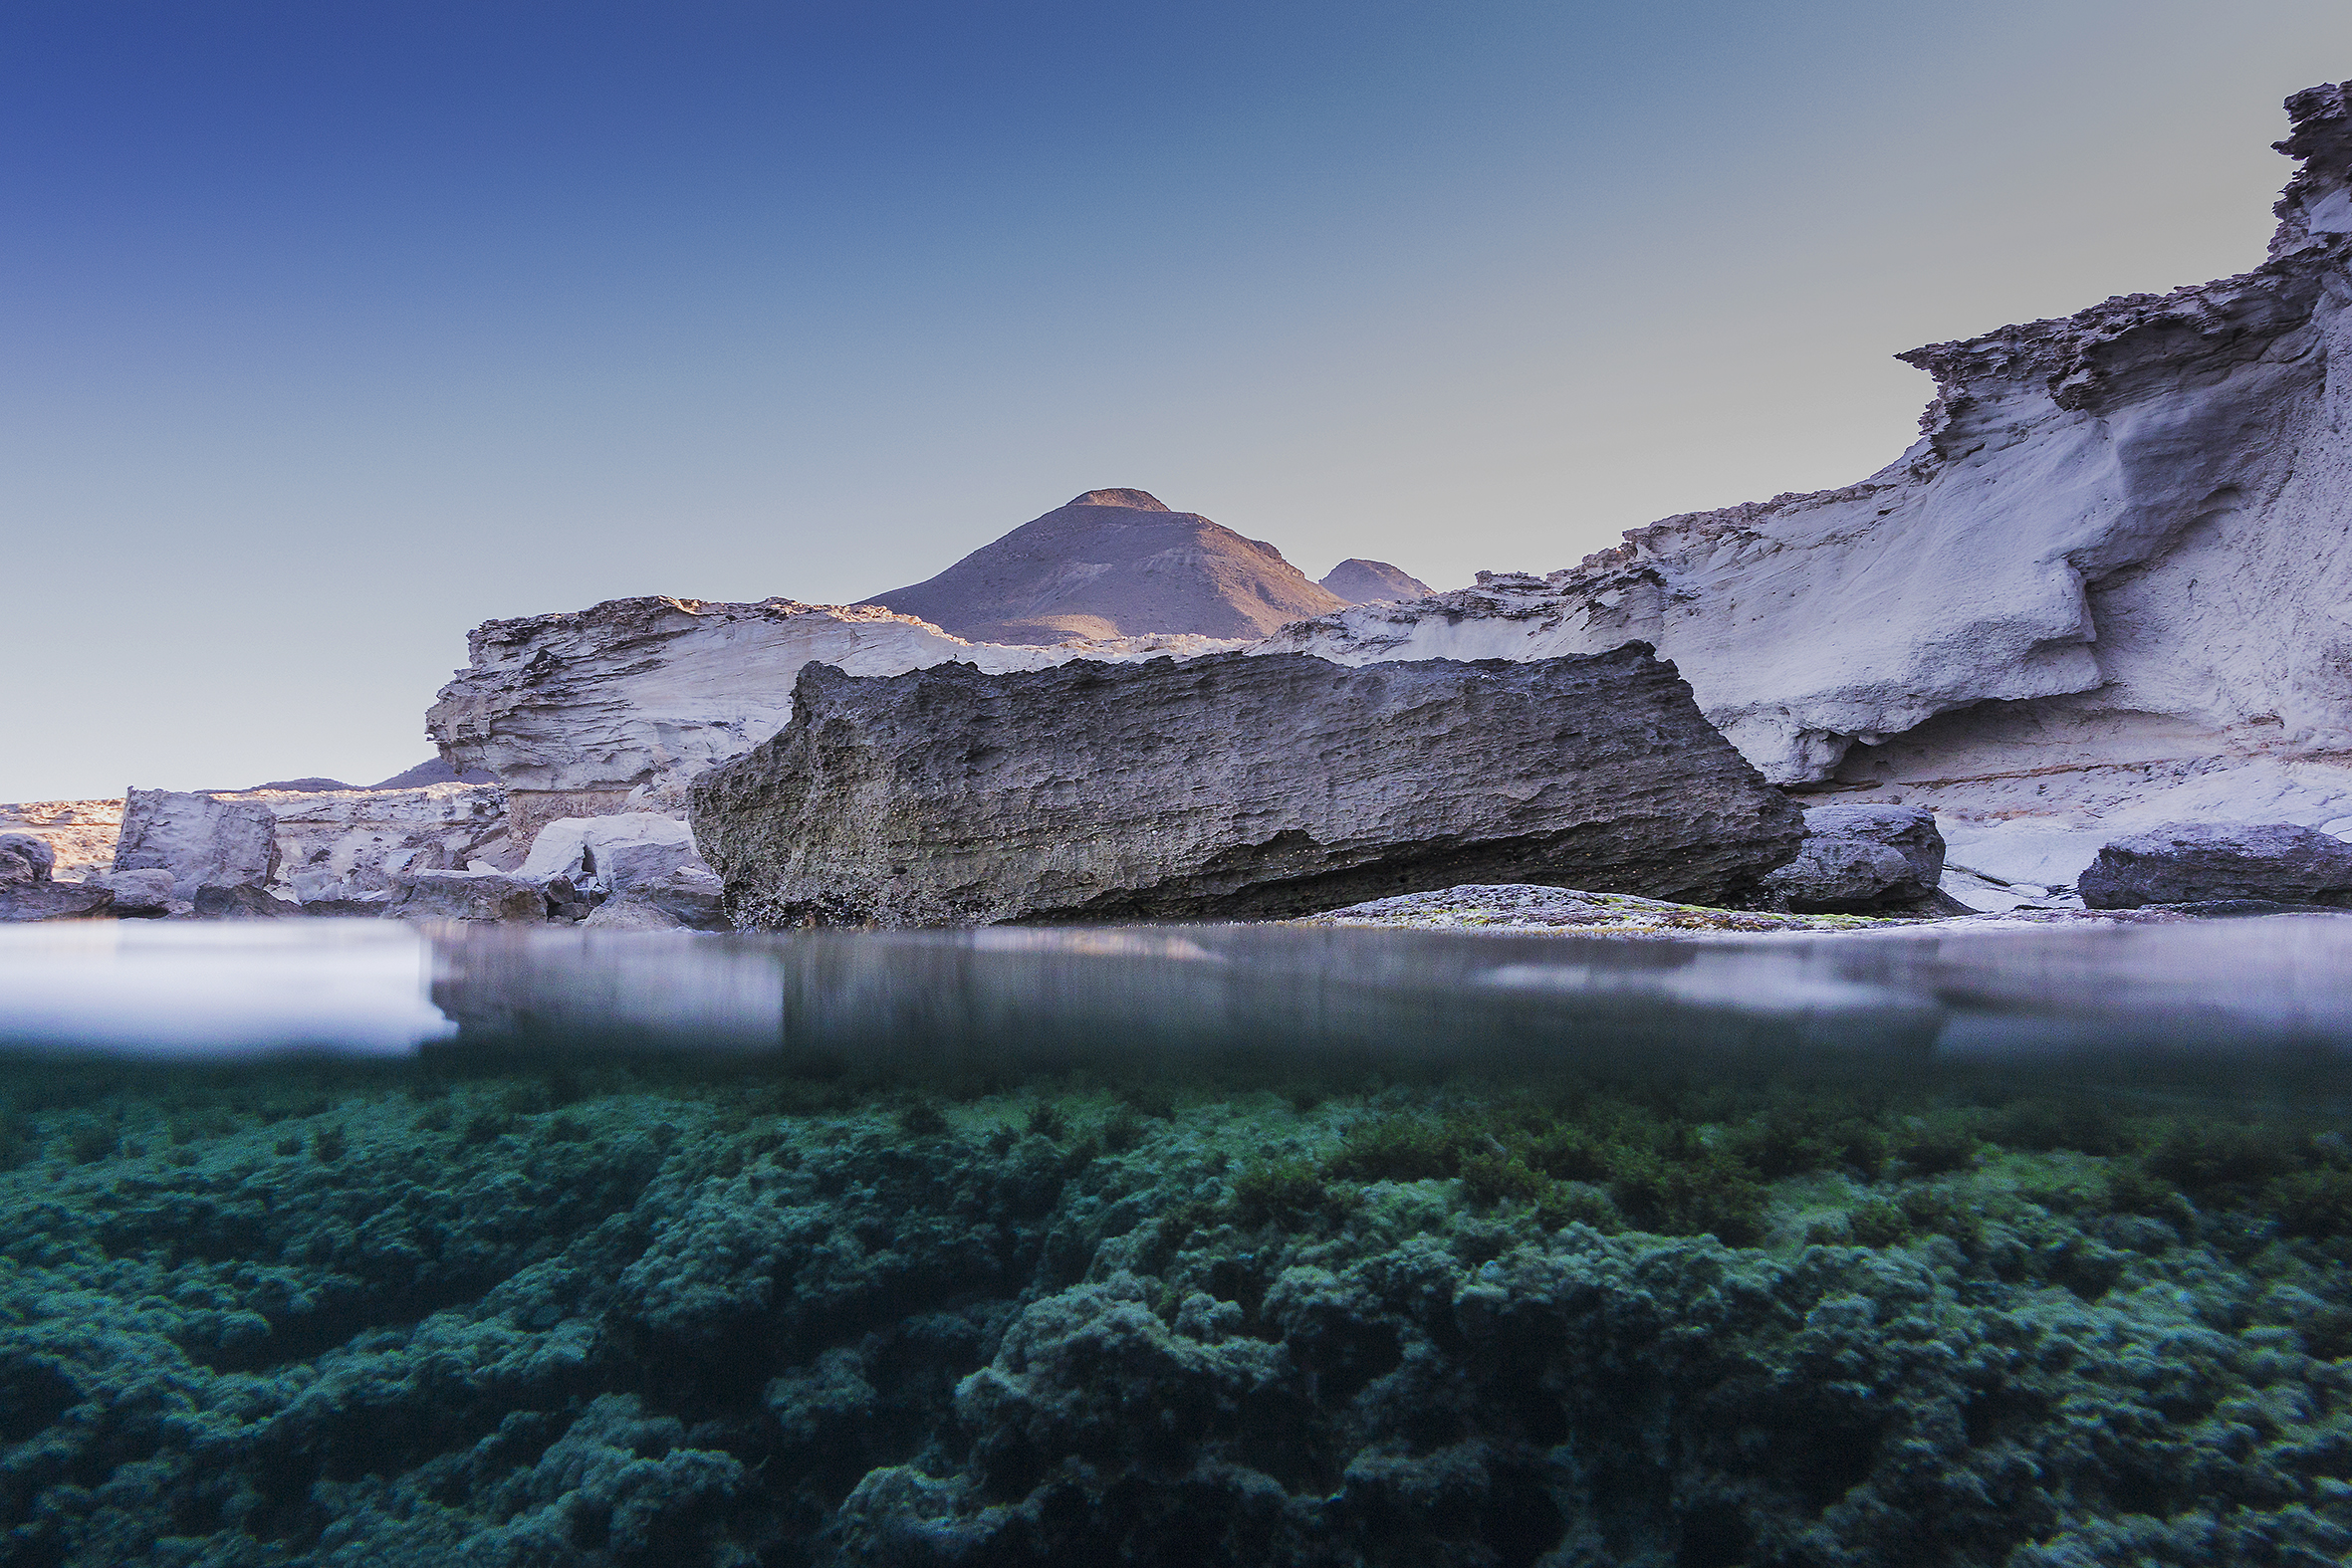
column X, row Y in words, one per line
column 2107, row 585
column 1231, row 785
column 615, row 707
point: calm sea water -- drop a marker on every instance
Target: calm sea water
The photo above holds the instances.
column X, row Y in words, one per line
column 357, row 1243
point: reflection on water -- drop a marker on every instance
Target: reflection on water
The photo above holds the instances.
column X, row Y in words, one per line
column 355, row 1244
column 2270, row 990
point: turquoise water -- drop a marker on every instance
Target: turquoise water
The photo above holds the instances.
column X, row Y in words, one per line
column 342, row 1242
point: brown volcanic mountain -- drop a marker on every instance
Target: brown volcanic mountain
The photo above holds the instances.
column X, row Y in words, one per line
column 1115, row 563
column 1361, row 581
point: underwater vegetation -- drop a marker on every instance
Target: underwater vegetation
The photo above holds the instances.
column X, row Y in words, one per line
column 609, row 1311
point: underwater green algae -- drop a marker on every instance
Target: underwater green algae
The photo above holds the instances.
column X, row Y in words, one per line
column 613, row 1311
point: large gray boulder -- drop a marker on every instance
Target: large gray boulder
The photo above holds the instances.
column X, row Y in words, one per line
column 2198, row 863
column 1231, row 785
column 1860, row 860
column 203, row 840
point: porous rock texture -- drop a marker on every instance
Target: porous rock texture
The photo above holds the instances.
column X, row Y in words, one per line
column 1359, row 582
column 591, row 1320
column 359, row 843
column 1230, row 785
column 2198, row 863
column 29, row 892
column 613, row 709
column 25, row 859
column 2106, row 588
column 203, row 840
column 1861, row 859
column 1115, row 563
column 312, row 845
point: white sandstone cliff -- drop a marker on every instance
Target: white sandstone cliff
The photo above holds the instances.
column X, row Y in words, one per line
column 2111, row 583
column 616, row 707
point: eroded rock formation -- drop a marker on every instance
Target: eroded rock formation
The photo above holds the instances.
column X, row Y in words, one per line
column 1230, row 785
column 615, row 707
column 311, row 846
column 2107, row 585
column 1115, row 563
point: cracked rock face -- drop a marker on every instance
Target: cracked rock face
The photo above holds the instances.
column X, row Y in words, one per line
column 2000, row 622
column 1231, row 785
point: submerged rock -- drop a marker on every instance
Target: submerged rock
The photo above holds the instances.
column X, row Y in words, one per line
column 1525, row 907
column 1863, row 860
column 1231, row 785
column 2199, row 862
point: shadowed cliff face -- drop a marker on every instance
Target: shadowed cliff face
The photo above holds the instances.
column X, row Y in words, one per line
column 1112, row 563
column 1230, row 786
column 2119, row 543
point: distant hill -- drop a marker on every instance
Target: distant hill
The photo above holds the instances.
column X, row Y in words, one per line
column 433, row 773
column 1115, row 563
column 1369, row 581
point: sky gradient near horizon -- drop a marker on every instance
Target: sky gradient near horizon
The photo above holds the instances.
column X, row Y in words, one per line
column 333, row 330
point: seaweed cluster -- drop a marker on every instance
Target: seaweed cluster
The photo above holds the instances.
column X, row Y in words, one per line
column 611, row 1312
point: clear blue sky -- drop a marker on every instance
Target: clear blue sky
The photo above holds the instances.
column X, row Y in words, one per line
column 328, row 329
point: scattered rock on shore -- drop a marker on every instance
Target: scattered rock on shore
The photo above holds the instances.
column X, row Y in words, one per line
column 2199, row 862
column 484, row 896
column 1863, row 860
column 27, row 891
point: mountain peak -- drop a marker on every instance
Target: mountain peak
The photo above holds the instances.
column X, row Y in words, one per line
column 1114, row 564
column 1140, row 500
